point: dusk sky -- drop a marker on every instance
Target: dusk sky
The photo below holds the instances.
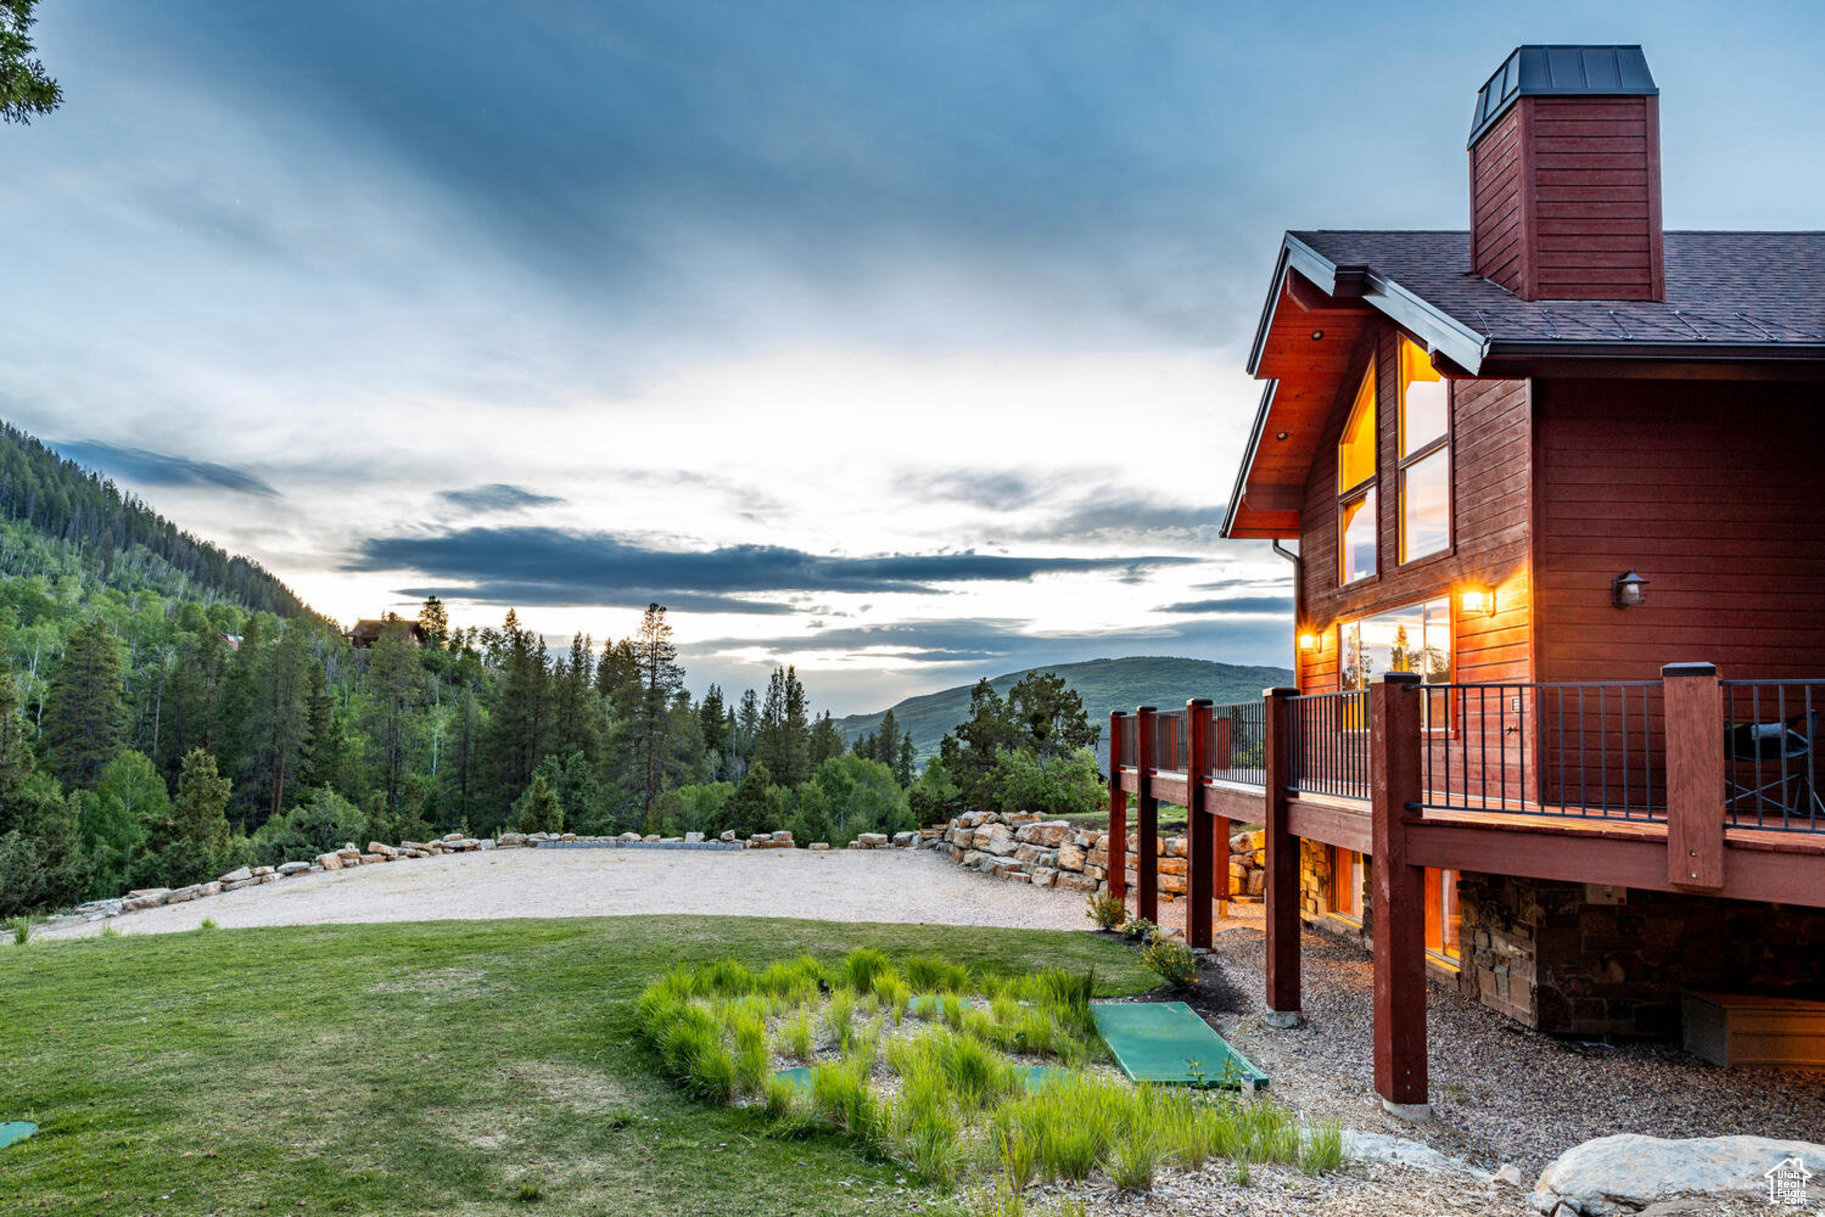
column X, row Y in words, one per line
column 901, row 342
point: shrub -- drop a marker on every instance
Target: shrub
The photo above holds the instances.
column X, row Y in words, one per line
column 1064, row 783
column 1140, row 930
column 1107, row 911
column 21, row 929
column 1171, row 961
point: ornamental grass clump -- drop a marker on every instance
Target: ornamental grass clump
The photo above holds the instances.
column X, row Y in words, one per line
column 1321, row 1147
column 929, row 975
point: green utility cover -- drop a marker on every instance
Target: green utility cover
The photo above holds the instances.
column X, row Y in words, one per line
column 799, row 1079
column 1164, row 1041
column 15, row 1132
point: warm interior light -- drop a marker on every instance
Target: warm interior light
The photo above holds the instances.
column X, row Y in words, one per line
column 1476, row 601
column 1317, row 335
column 1308, row 642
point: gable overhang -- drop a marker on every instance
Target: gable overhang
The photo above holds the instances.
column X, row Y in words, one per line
column 1307, row 344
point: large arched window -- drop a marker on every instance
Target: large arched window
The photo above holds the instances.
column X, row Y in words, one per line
column 1356, row 486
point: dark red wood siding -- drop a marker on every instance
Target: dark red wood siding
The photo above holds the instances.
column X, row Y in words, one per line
column 1713, row 490
column 1565, row 199
column 1491, row 463
column 1498, row 228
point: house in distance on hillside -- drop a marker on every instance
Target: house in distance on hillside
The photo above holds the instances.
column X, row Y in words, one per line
column 369, row 630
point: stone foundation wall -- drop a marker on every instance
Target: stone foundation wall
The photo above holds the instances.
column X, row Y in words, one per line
column 1550, row 956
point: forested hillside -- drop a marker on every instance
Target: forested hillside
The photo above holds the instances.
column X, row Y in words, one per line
column 1103, row 684
column 78, row 523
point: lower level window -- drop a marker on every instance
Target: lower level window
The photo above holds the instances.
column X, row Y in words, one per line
column 1442, row 919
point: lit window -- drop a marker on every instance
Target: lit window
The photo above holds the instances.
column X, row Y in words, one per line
column 1356, row 486
column 1425, row 456
column 1356, row 526
column 1442, row 917
column 1346, row 883
column 1416, row 638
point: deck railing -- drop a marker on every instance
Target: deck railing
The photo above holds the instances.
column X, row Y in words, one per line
column 1125, row 744
column 1587, row 750
column 1328, row 743
column 1236, row 743
column 1593, row 750
column 1771, row 734
column 1171, row 741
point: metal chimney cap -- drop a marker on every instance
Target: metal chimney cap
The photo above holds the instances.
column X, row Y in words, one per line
column 1561, row 71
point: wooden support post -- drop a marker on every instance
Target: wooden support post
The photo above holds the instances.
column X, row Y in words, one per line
column 1282, row 888
column 1117, row 845
column 1200, row 883
column 1221, row 759
column 1147, row 844
column 1695, row 776
column 1399, row 892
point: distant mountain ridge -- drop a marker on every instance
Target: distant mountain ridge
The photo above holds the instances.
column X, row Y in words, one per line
column 1104, row 684
column 59, row 518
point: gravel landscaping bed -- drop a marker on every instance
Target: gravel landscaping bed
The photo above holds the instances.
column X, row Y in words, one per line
column 841, row 885
column 1501, row 1092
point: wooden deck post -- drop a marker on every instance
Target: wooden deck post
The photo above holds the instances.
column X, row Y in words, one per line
column 1147, row 843
column 1117, row 845
column 1199, row 827
column 1399, row 908
column 1221, row 759
column 1282, row 888
column 1695, row 776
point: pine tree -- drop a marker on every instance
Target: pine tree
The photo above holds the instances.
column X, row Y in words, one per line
column 192, row 842
column 660, row 679
column 538, row 810
column 84, row 717
column 434, row 620
column 396, row 685
column 280, row 728
column 826, row 740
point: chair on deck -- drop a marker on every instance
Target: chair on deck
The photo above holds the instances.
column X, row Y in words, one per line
column 1768, row 769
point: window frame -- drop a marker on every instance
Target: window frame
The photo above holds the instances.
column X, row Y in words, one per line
column 1368, row 393
column 1405, row 460
column 1436, row 917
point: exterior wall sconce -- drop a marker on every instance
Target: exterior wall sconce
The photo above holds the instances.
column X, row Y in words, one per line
column 1628, row 590
column 1476, row 602
column 1308, row 642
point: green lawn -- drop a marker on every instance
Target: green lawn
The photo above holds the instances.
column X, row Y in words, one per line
column 424, row 1068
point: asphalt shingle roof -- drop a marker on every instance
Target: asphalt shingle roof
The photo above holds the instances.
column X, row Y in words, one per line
column 1739, row 288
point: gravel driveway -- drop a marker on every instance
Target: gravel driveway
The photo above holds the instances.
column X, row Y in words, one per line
column 842, row 885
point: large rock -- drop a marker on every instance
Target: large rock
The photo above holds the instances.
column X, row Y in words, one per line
column 1600, row 1176
column 184, row 893
column 294, row 868
column 1049, row 833
column 1070, row 857
column 1044, row 876
column 330, row 861
column 1000, row 842
column 820, row 847
column 1070, row 882
column 871, row 840
column 905, row 840
column 236, row 876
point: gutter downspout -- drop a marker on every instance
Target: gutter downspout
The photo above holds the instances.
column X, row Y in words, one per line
column 1298, row 597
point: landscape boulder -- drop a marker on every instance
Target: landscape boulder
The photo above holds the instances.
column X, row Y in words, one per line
column 236, row 876
column 1600, row 1177
column 1049, row 833
column 330, row 861
column 293, row 868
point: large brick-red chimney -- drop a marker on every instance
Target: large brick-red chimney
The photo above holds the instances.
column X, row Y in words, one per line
column 1565, row 175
